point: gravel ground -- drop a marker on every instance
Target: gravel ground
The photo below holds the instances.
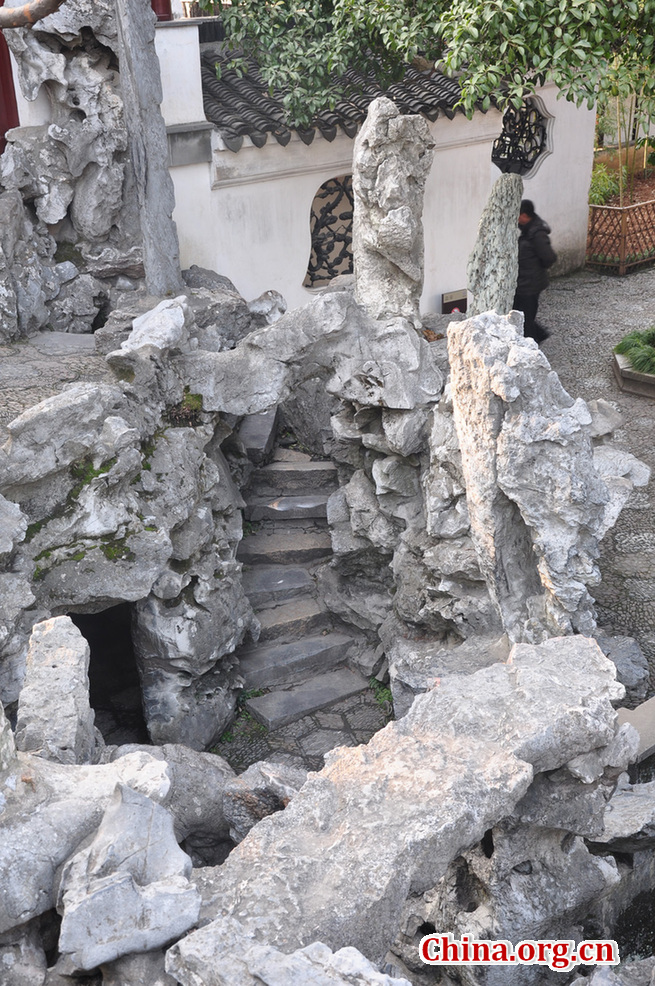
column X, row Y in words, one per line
column 587, row 314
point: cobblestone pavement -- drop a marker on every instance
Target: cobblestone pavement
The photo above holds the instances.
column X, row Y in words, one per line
column 305, row 742
column 588, row 313
column 31, row 371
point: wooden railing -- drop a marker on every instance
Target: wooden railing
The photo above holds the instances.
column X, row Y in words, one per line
column 621, row 237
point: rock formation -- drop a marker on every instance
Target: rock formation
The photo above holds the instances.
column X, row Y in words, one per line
column 493, row 265
column 391, row 162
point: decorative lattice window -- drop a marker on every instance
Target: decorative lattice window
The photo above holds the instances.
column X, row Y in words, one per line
column 331, row 226
column 523, row 142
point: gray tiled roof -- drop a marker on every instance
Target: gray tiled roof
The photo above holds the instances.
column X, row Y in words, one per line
column 242, row 107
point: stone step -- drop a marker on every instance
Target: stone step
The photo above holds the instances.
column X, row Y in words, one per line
column 282, row 707
column 269, row 585
column 257, row 432
column 285, row 547
column 294, row 478
column 270, row 665
column 287, row 507
column 298, row 618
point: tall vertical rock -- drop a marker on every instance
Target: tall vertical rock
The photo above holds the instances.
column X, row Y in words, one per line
column 392, row 159
column 535, row 501
column 142, row 95
column 494, row 262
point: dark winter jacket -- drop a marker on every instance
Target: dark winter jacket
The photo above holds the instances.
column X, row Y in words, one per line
column 535, row 256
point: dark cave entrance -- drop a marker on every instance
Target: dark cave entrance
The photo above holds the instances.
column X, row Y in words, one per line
column 114, row 685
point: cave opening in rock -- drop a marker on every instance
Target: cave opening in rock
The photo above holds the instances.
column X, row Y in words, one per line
column 114, row 684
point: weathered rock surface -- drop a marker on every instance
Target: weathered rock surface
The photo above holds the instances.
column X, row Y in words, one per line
column 195, row 800
column 48, row 810
column 631, row 665
column 245, row 962
column 128, row 890
column 391, row 161
column 261, row 790
column 341, row 860
column 629, row 818
column 536, row 503
column 493, row 266
column 55, row 719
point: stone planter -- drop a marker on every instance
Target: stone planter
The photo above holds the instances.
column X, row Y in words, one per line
column 632, row 380
column 621, row 237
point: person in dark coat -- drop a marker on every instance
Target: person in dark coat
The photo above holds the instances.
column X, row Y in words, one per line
column 536, row 255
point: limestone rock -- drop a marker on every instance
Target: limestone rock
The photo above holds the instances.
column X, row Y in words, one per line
column 467, row 749
column 267, row 308
column 375, row 363
column 77, row 305
column 261, row 790
column 416, row 666
column 13, row 525
column 55, row 719
column 244, row 962
column 49, row 809
column 163, row 327
column 128, row 890
column 493, row 266
column 144, row 969
column 535, row 501
column 631, row 666
column 629, row 818
column 605, row 419
column 195, row 799
column 391, row 161
column 25, row 254
column 22, row 958
column 7, row 744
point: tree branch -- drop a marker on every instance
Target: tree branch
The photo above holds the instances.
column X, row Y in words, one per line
column 28, row 14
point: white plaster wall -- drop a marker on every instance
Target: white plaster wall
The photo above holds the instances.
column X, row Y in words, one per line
column 176, row 44
column 252, row 225
column 31, row 113
column 456, row 192
column 560, row 187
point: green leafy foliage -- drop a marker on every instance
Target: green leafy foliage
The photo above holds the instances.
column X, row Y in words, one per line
column 499, row 49
column 604, row 184
column 639, row 347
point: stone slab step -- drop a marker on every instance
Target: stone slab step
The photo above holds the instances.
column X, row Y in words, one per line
column 285, row 547
column 269, row 585
column 294, row 478
column 298, row 618
column 643, row 719
column 268, row 665
column 282, row 707
column 257, row 432
column 287, row 507
column 290, row 455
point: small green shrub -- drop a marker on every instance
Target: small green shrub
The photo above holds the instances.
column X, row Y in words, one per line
column 605, row 184
column 639, row 348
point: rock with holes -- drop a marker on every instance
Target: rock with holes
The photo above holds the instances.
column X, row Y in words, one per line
column 494, row 262
column 391, row 161
column 261, row 790
column 341, row 860
column 128, row 890
column 196, row 799
column 536, row 503
column 55, row 719
column 375, row 363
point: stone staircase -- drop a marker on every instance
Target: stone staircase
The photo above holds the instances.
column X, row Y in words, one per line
column 300, row 660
